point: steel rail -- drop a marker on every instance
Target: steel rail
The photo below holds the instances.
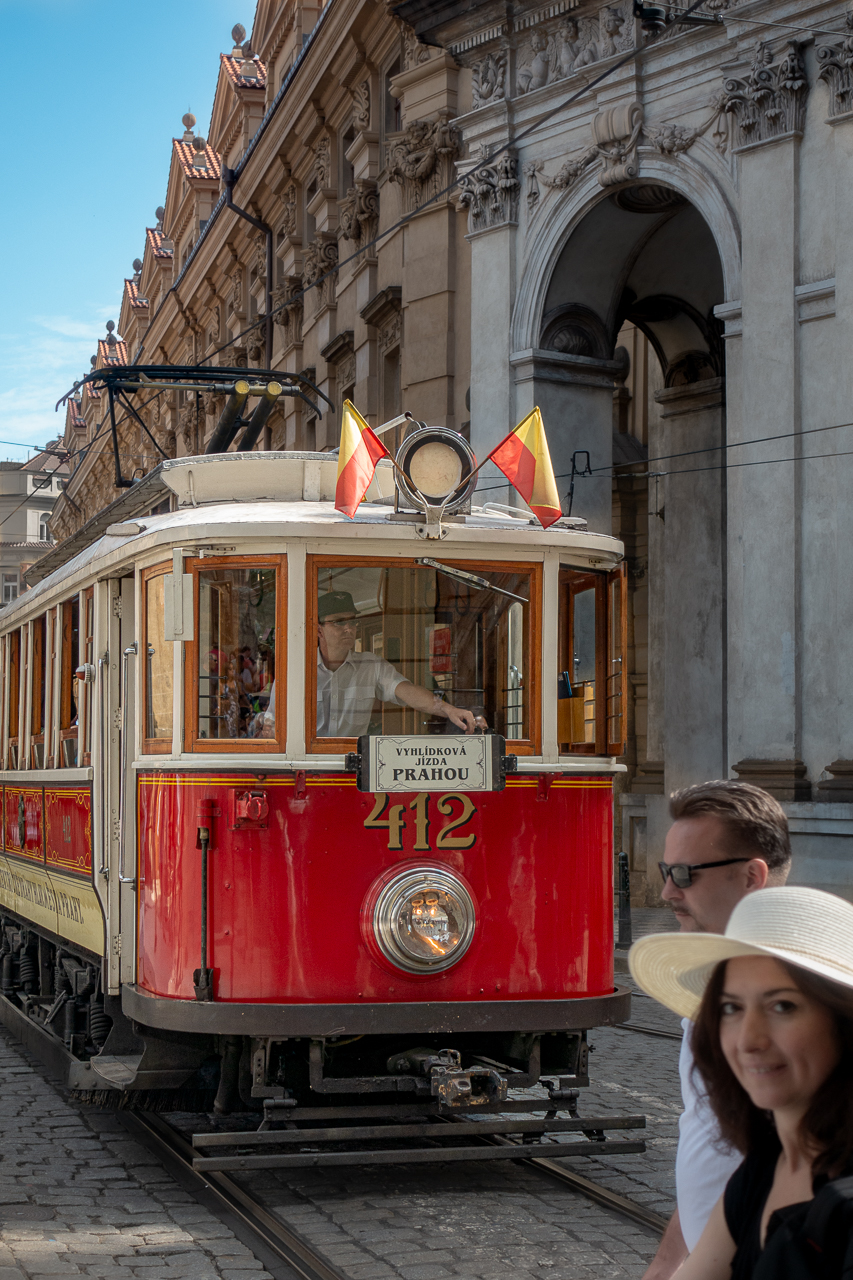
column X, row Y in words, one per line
column 648, row 1031
column 275, row 1235
column 585, row 1186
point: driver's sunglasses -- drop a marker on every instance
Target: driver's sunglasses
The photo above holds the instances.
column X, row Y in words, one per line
column 344, row 622
column 682, row 875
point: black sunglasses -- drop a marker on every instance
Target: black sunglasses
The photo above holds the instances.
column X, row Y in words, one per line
column 682, row 875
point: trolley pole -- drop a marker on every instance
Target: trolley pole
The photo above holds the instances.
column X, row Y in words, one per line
column 624, row 892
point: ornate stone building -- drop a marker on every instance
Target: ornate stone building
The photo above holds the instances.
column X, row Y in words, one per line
column 651, row 246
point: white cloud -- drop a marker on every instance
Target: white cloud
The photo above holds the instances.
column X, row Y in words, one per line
column 38, row 364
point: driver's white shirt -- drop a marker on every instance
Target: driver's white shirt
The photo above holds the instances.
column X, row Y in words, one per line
column 345, row 696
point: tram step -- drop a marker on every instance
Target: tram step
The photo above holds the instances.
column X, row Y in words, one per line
column 360, row 1133
column 416, row 1155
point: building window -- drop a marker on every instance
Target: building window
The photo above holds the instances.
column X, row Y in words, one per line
column 44, row 529
column 10, row 587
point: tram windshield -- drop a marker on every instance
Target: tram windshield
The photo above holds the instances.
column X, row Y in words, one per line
column 430, row 647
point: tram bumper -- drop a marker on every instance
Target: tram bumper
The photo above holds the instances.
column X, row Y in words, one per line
column 398, row 1018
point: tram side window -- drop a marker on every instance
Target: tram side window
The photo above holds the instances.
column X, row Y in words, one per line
column 85, row 688
column 413, row 649
column 38, row 693
column 68, row 688
column 14, row 697
column 52, row 693
column 239, row 636
column 591, row 681
column 158, row 677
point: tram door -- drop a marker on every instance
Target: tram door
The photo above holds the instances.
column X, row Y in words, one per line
column 119, row 780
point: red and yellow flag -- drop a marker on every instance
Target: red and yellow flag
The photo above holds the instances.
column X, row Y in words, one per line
column 525, row 461
column 359, row 453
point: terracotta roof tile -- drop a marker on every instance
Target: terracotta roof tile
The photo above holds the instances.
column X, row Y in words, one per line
column 155, row 239
column 186, row 155
column 110, row 355
column 132, row 290
column 232, row 70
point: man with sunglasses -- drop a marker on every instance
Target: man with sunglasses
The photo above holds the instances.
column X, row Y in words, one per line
column 727, row 839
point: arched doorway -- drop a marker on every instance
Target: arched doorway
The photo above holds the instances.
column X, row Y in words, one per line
column 629, row 366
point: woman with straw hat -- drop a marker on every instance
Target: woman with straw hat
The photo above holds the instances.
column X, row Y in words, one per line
column 772, row 1003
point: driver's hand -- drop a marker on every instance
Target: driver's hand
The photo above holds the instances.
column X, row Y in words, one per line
column 463, row 720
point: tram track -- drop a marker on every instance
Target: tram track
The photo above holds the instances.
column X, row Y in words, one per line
column 289, row 1247
column 266, row 1234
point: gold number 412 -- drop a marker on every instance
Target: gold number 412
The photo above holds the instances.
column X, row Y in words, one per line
column 393, row 819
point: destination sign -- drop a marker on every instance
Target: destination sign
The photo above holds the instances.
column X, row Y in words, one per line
column 438, row 762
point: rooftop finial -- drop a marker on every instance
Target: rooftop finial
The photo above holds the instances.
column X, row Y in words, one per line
column 188, row 121
column 238, row 35
column 112, row 340
column 249, row 69
column 159, row 214
column 200, row 147
column 137, row 266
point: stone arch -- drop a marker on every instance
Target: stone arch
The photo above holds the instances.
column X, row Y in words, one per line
column 550, row 233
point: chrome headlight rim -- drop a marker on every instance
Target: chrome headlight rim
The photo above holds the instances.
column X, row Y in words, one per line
column 399, row 890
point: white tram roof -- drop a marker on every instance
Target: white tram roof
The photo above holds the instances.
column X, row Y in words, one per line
column 260, row 490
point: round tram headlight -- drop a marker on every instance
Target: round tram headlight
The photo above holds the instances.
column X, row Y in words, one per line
column 423, row 920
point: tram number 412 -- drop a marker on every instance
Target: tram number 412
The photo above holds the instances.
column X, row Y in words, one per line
column 393, row 819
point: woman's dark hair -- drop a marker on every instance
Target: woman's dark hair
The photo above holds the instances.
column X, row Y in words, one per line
column 828, row 1123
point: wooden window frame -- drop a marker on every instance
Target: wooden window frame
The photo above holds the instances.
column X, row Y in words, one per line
column 67, row 674
column 618, row 579
column 152, row 746
column 14, row 696
column 238, row 746
column 87, row 655
column 50, row 718
column 337, row 746
column 37, row 679
column 602, row 582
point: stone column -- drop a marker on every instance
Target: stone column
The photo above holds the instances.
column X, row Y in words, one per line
column 764, row 730
column 575, row 394
column 694, row 570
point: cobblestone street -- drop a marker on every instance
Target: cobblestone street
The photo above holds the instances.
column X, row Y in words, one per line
column 80, row 1196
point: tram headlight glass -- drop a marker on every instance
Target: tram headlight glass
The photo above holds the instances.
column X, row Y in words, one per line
column 424, row 920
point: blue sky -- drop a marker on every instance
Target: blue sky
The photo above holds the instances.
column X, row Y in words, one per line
column 94, row 90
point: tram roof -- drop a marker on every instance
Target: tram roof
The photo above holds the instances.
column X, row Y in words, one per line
column 258, row 489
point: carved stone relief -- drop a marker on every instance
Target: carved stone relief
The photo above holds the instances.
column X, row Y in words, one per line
column 323, row 162
column 414, row 53
column 359, row 212
column 771, row 99
column 289, row 202
column 420, row 160
column 836, row 70
column 490, row 193
column 617, row 136
column 321, row 258
column 361, row 105
column 390, row 334
column 238, row 306
column 288, row 310
column 488, row 78
column 557, row 49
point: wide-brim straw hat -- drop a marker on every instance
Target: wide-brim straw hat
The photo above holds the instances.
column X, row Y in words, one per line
column 805, row 927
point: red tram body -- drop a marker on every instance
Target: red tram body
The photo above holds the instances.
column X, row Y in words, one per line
column 195, row 883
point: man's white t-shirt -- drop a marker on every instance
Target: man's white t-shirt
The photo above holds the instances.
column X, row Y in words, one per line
column 702, row 1167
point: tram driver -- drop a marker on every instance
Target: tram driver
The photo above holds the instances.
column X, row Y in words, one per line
column 348, row 681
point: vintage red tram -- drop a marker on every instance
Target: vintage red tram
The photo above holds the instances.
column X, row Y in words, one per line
column 298, row 806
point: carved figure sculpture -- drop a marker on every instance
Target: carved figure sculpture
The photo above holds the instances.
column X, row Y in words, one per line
column 568, row 48
column 610, row 28
column 535, row 75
